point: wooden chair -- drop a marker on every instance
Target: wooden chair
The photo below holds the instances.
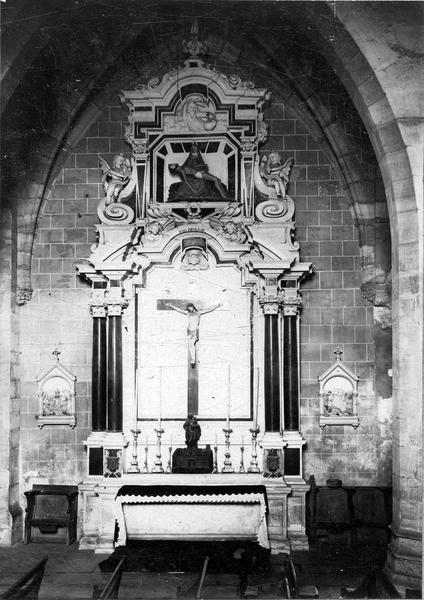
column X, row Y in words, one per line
column 111, row 589
column 292, row 589
column 29, row 584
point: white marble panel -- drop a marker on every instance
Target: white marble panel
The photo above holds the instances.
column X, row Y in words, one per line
column 194, row 521
column 223, row 350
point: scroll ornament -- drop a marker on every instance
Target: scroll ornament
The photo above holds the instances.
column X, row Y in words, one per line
column 119, row 181
column 271, row 179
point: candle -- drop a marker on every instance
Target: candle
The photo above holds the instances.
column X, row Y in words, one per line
column 242, row 440
column 257, row 398
column 160, row 398
column 216, row 439
column 147, row 440
column 136, row 399
column 228, row 395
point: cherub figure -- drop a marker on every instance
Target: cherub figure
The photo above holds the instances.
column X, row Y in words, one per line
column 115, row 178
column 274, row 173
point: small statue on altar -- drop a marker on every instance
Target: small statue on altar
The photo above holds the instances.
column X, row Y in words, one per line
column 196, row 181
column 192, row 432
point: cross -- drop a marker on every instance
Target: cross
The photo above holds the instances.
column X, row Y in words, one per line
column 56, row 353
column 193, row 323
column 338, row 352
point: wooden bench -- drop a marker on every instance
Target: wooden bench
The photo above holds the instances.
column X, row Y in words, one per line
column 363, row 513
column 111, row 589
column 29, row 584
column 50, row 507
column 292, row 587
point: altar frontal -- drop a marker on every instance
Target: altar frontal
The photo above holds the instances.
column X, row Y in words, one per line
column 192, row 513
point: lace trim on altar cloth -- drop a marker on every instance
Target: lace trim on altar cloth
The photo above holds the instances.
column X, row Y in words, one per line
column 261, row 529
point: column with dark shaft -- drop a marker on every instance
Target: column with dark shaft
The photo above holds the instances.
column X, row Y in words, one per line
column 291, row 408
column 115, row 304
column 271, row 365
column 99, row 373
column 290, row 367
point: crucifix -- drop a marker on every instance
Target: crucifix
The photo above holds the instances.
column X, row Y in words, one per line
column 193, row 325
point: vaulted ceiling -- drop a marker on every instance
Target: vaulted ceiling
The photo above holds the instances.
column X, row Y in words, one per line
column 63, row 60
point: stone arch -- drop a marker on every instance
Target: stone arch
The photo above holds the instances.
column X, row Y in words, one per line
column 322, row 126
column 393, row 124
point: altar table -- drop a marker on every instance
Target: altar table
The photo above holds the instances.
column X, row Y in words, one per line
column 190, row 512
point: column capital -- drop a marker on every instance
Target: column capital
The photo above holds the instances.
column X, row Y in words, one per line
column 115, row 301
column 114, row 309
column 97, row 303
column 292, row 306
column 271, row 303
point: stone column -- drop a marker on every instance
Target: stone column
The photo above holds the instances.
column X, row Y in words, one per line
column 99, row 373
column 115, row 304
column 272, row 386
column 291, row 402
column 291, row 363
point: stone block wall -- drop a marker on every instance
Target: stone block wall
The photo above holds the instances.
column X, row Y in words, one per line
column 334, row 313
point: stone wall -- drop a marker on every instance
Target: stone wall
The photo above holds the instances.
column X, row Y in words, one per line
column 334, row 314
column 10, row 512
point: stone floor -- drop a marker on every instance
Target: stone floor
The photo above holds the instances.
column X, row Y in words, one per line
column 72, row 574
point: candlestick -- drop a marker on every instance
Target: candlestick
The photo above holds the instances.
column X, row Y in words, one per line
column 253, row 468
column 169, row 465
column 241, row 468
column 158, row 460
column 227, row 468
column 146, row 450
column 215, row 462
column 134, row 468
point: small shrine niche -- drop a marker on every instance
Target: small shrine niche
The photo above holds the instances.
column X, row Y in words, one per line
column 338, row 395
column 56, row 394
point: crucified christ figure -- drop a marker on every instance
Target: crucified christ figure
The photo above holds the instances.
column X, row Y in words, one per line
column 193, row 323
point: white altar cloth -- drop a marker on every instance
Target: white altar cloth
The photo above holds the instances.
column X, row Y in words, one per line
column 208, row 516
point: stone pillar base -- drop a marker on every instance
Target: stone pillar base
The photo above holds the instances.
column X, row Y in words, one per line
column 404, row 561
column 277, row 492
column 296, row 513
column 88, row 542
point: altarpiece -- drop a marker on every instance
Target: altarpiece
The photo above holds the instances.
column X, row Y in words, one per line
column 196, row 301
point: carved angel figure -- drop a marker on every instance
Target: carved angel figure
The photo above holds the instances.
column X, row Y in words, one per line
column 274, row 173
column 115, row 178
